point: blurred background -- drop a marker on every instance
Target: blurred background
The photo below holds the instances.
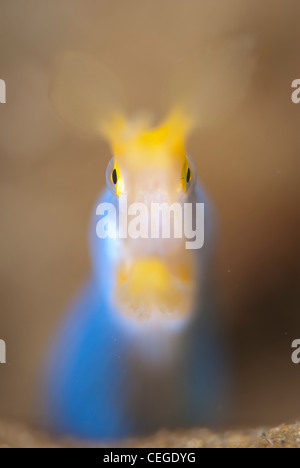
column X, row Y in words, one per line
column 50, row 178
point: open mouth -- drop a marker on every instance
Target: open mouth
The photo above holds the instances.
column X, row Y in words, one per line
column 150, row 288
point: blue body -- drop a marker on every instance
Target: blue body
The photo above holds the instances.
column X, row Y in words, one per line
column 98, row 384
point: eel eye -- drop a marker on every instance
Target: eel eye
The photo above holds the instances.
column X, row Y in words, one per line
column 114, row 176
column 188, row 175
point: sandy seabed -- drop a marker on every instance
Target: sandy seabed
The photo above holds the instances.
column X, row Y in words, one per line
column 17, row 435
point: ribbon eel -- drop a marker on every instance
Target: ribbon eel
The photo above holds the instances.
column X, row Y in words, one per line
column 141, row 347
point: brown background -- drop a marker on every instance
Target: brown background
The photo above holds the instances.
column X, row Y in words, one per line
column 49, row 179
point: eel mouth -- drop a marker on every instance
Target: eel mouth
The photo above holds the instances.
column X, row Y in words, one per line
column 150, row 288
